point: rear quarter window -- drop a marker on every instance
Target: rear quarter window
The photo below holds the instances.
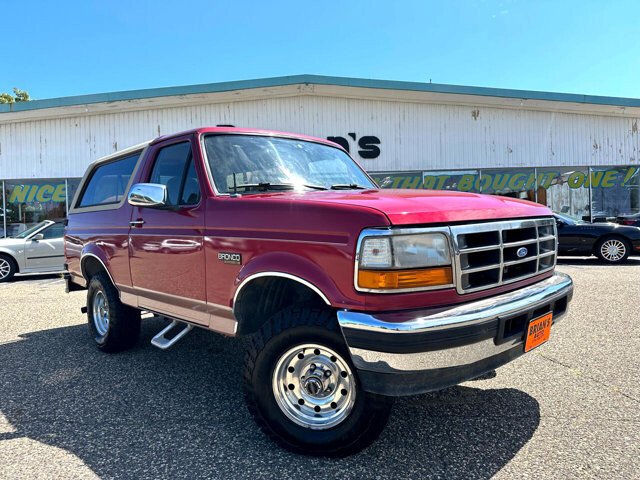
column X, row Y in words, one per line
column 108, row 182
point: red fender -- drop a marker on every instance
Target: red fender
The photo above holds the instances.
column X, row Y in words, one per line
column 297, row 268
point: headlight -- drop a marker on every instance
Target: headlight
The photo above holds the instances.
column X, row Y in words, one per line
column 404, row 262
column 415, row 251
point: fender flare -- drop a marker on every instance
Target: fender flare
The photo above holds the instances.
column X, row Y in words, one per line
column 282, row 275
column 92, row 250
column 293, row 267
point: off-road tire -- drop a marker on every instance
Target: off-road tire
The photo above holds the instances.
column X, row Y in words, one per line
column 124, row 322
column 13, row 268
column 614, row 238
column 307, row 325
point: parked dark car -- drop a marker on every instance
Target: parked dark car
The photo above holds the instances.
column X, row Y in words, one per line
column 610, row 242
column 630, row 220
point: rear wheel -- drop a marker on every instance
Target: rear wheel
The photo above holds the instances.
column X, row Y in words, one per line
column 613, row 249
column 113, row 325
column 302, row 389
column 8, row 268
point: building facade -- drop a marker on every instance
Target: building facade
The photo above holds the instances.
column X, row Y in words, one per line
column 577, row 154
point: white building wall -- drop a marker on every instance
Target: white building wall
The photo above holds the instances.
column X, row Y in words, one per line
column 414, row 136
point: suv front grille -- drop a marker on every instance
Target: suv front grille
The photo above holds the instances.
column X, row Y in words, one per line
column 491, row 254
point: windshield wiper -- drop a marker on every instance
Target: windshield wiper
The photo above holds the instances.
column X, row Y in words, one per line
column 348, row 186
column 264, row 186
column 314, row 187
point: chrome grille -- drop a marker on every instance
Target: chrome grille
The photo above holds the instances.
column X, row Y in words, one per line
column 491, row 254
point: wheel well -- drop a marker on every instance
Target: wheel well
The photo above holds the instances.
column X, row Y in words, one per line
column 263, row 297
column 11, row 259
column 92, row 266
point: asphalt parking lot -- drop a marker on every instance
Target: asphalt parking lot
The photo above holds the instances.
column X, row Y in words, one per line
column 569, row 409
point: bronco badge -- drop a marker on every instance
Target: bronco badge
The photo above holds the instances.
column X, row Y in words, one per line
column 230, row 258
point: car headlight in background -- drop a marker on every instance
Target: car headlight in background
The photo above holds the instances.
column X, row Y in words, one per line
column 404, row 261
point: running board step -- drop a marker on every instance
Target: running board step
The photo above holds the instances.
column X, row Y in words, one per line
column 162, row 342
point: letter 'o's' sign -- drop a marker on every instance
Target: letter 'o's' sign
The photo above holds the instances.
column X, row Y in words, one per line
column 368, row 145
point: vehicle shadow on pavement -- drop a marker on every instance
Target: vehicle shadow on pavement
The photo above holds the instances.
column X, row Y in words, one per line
column 180, row 414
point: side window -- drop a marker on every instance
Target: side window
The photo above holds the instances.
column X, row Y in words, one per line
column 108, row 182
column 54, row 231
column 174, row 167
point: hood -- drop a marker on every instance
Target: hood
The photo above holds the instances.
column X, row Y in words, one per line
column 413, row 207
column 11, row 242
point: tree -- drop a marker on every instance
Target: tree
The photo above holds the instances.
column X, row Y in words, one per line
column 18, row 96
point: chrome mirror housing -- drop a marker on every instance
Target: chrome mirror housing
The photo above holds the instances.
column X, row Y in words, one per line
column 148, row 195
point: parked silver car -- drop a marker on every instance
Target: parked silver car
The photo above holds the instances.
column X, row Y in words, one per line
column 39, row 249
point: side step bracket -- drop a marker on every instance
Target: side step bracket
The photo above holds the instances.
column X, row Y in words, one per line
column 162, row 342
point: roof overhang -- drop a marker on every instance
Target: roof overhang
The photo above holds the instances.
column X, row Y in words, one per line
column 314, row 85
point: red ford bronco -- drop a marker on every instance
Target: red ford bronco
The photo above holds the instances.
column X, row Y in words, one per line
column 350, row 295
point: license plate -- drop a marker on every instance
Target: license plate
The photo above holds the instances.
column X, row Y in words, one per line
column 538, row 331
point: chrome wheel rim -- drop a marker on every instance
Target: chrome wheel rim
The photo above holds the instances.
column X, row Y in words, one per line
column 5, row 268
column 314, row 386
column 613, row 250
column 100, row 313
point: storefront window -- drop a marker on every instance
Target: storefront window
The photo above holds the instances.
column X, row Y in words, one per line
column 565, row 190
column 512, row 182
column 608, row 191
column 615, row 191
column 28, row 202
column 459, row 180
column 398, row 179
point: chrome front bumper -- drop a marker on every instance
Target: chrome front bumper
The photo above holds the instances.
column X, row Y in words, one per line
column 417, row 351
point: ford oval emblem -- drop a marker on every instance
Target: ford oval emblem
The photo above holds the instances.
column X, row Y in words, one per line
column 522, row 252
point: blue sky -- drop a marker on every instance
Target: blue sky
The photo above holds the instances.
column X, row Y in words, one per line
column 55, row 49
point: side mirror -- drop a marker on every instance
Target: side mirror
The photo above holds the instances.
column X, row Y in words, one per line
column 148, row 195
column 37, row 237
column 560, row 223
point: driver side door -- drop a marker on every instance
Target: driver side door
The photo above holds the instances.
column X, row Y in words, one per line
column 166, row 252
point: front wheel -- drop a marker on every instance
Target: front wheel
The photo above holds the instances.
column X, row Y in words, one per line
column 613, row 249
column 302, row 389
column 7, row 268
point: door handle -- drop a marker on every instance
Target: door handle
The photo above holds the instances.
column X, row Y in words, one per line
column 136, row 223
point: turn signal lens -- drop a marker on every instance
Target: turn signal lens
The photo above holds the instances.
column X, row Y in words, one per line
column 399, row 279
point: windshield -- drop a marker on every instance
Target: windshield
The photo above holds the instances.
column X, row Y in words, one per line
column 568, row 219
column 241, row 161
column 30, row 230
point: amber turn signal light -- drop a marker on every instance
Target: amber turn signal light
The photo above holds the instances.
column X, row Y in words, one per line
column 398, row 279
